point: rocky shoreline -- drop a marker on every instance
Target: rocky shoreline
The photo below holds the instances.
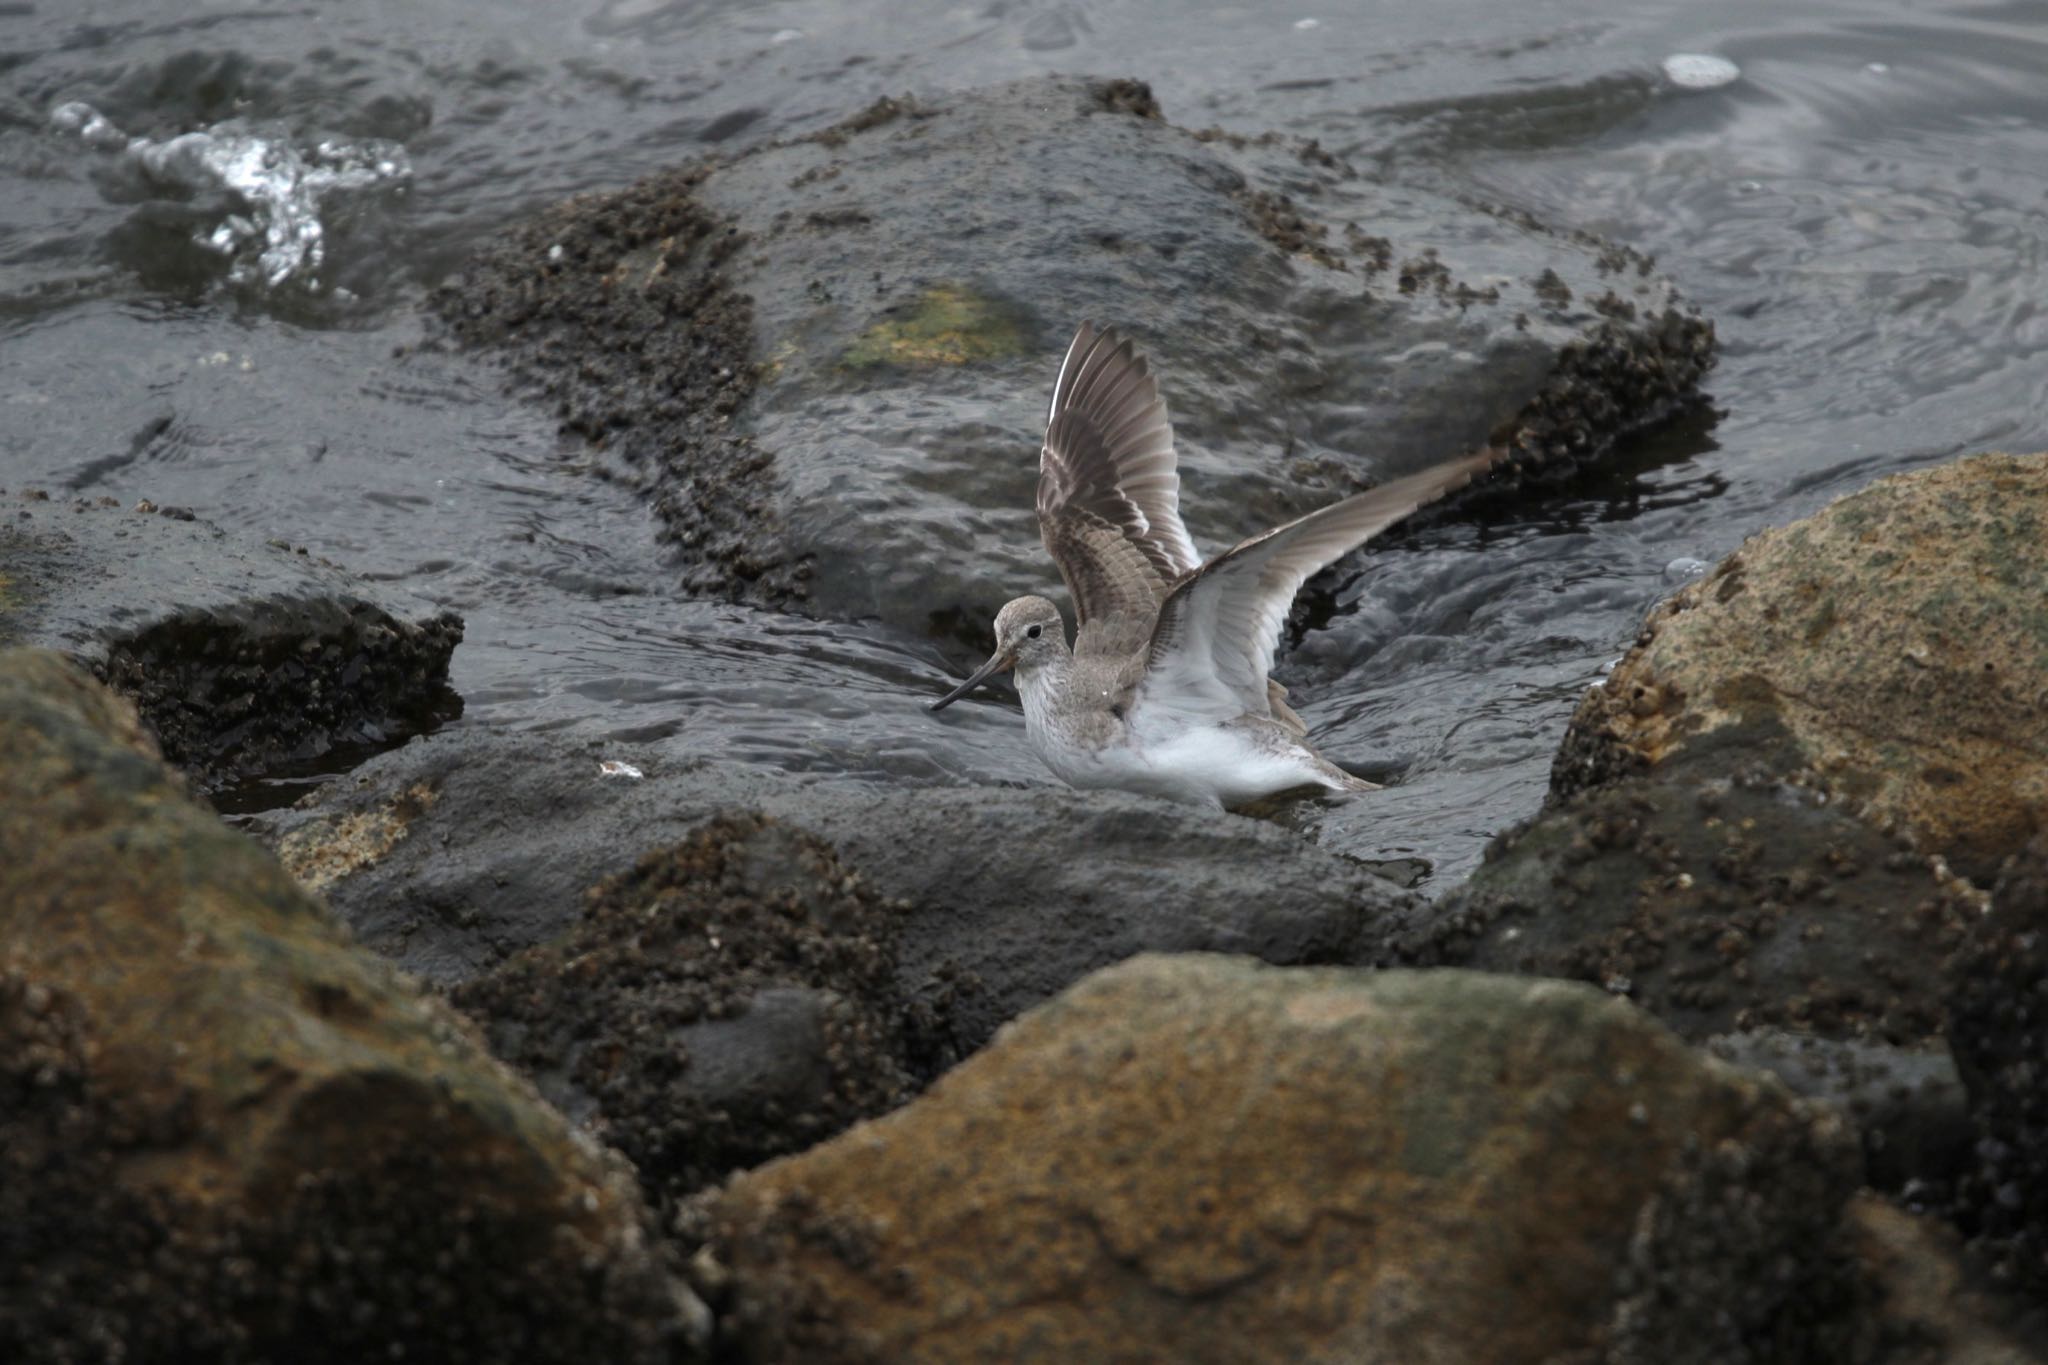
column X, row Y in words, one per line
column 1732, row 1052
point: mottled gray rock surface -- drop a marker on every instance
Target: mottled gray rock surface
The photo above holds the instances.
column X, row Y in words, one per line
column 727, row 999
column 1907, row 1103
column 460, row 849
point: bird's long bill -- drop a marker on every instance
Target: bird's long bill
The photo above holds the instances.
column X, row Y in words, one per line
column 996, row 664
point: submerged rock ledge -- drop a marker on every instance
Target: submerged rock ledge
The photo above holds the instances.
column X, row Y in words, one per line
column 825, row 359
column 243, row 658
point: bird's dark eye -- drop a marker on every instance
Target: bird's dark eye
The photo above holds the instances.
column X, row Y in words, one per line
column 1035, row 632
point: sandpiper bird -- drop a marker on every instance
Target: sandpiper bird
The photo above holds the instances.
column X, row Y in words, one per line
column 1165, row 689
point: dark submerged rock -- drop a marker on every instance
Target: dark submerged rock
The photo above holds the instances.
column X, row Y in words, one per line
column 618, row 310
column 728, row 1000
column 1716, row 904
column 1012, row 894
column 1907, row 1103
column 242, row 658
column 828, row 358
column 1998, row 1029
column 227, row 1135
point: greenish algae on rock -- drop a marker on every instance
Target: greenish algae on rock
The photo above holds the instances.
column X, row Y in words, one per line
column 947, row 325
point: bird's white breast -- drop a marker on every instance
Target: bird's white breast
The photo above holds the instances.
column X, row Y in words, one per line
column 1164, row 754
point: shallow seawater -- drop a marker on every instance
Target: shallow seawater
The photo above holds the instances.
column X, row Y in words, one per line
column 1861, row 211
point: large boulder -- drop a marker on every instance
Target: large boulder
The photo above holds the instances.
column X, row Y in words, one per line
column 828, row 358
column 242, row 658
column 1890, row 650
column 1759, row 817
column 1203, row 1159
column 435, row 855
column 229, row 1135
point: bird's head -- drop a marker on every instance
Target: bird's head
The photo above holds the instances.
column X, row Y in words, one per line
column 1029, row 634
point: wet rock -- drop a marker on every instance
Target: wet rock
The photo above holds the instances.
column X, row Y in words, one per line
column 1013, row 894
column 1889, row 650
column 1200, row 1158
column 728, row 1000
column 1907, row 1103
column 1929, row 1308
column 1998, row 1030
column 227, row 1135
column 1719, row 905
column 827, row 360
column 242, row 658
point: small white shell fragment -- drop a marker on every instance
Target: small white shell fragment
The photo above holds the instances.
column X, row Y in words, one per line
column 1306, row 24
column 1700, row 71
column 612, row 767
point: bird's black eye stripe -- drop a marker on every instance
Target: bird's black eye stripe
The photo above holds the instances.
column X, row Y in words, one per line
column 1035, row 632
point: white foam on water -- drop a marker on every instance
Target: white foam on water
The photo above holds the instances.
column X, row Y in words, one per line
column 279, row 235
column 89, row 124
column 1685, row 570
column 1700, row 71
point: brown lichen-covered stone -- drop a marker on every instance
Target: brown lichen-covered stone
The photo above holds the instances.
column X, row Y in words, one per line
column 1204, row 1159
column 1892, row 650
column 225, row 1134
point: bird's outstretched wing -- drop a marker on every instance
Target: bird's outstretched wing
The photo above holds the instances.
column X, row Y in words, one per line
column 1109, row 493
column 1219, row 625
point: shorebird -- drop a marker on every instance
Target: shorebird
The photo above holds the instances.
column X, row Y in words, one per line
column 1165, row 689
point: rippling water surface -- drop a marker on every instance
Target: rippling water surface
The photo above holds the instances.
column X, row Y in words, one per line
column 1863, row 211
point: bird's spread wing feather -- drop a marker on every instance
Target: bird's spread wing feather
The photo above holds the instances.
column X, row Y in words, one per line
column 1219, row 625
column 1109, row 493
